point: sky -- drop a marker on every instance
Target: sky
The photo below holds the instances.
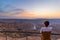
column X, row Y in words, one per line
column 29, row 9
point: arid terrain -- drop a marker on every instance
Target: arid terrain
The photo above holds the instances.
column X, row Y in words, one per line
column 25, row 26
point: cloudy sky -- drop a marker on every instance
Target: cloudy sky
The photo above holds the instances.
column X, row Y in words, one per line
column 29, row 9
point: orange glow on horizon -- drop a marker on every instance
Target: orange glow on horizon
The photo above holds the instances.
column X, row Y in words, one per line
column 38, row 15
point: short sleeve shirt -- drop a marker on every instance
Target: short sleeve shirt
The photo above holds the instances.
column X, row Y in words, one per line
column 47, row 29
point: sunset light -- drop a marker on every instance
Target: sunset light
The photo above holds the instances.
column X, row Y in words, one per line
column 29, row 9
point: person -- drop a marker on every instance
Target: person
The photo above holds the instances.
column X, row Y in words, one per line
column 46, row 31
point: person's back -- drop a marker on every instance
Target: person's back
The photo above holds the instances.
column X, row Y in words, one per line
column 46, row 31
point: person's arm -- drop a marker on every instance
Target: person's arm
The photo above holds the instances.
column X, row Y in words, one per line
column 41, row 30
column 51, row 29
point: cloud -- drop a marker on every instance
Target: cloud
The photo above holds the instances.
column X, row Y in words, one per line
column 8, row 11
column 16, row 11
column 5, row 8
column 1, row 11
column 12, row 13
column 8, row 6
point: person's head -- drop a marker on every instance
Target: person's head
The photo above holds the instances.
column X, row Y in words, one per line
column 46, row 23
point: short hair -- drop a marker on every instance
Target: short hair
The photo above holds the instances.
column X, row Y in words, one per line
column 46, row 23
